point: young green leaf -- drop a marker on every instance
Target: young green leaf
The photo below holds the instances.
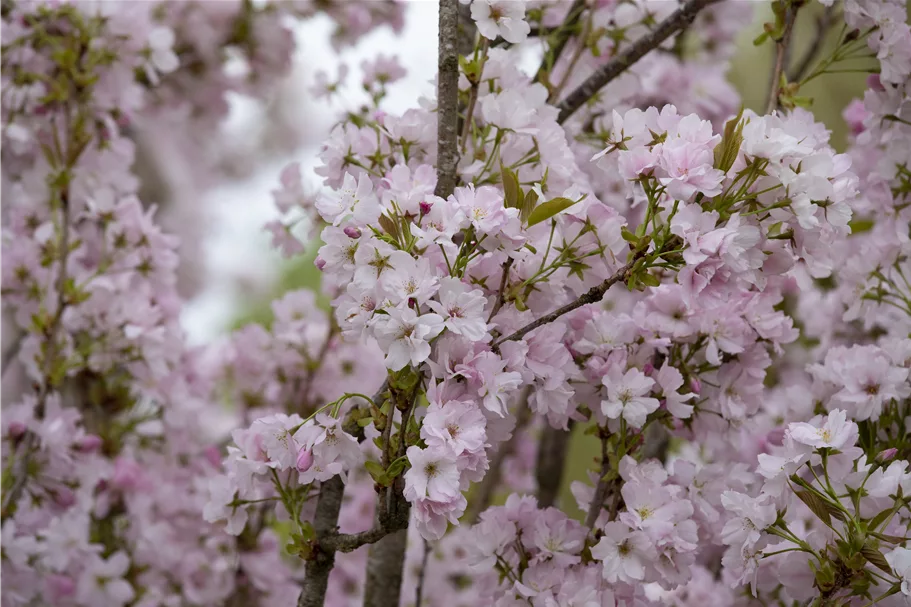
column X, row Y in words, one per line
column 546, row 210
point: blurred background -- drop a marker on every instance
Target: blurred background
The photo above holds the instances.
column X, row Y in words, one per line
column 231, row 272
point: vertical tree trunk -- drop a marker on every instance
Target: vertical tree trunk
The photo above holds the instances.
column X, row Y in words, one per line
column 313, row 593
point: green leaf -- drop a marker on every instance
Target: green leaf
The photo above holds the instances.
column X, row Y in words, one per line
column 726, row 151
column 874, row 556
column 760, row 39
column 628, row 236
column 548, row 209
column 396, row 468
column 511, row 187
column 378, row 474
column 528, row 205
column 816, row 505
column 649, row 280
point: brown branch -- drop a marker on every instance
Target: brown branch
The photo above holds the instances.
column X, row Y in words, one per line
column 679, row 20
column 325, row 523
column 419, row 592
column 563, row 34
column 594, row 295
column 551, row 462
column 448, row 99
column 782, row 47
column 491, row 480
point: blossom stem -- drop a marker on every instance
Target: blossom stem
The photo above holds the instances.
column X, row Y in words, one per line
column 677, row 21
column 824, row 24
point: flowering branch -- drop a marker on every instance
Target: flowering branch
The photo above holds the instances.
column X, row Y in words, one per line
column 679, row 20
column 594, row 295
column 448, row 98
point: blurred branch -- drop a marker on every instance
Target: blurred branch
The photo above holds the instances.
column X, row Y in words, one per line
column 824, row 23
column 551, row 462
column 491, row 480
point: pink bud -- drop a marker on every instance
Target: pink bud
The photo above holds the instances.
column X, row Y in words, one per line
column 16, row 429
column 379, row 116
column 320, row 263
column 695, row 385
column 213, row 455
column 352, row 232
column 887, row 455
column 648, row 369
column 425, row 207
column 304, row 459
column 775, row 437
column 90, row 443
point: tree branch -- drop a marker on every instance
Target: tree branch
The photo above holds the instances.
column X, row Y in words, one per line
column 325, row 523
column 594, row 295
column 448, row 99
column 419, row 592
column 680, row 19
column 551, row 461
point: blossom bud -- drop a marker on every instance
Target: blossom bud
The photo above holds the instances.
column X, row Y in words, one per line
column 380, row 117
column 320, row 263
column 775, row 437
column 16, row 429
column 425, row 207
column 695, row 385
column 648, row 369
column 352, row 232
column 90, row 443
column 887, row 455
column 304, row 459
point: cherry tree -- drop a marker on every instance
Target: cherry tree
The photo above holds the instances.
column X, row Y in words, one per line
column 608, row 244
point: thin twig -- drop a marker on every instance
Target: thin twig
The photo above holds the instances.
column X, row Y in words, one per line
column 781, row 54
column 601, row 489
column 594, row 295
column 501, row 294
column 679, row 20
column 448, row 99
